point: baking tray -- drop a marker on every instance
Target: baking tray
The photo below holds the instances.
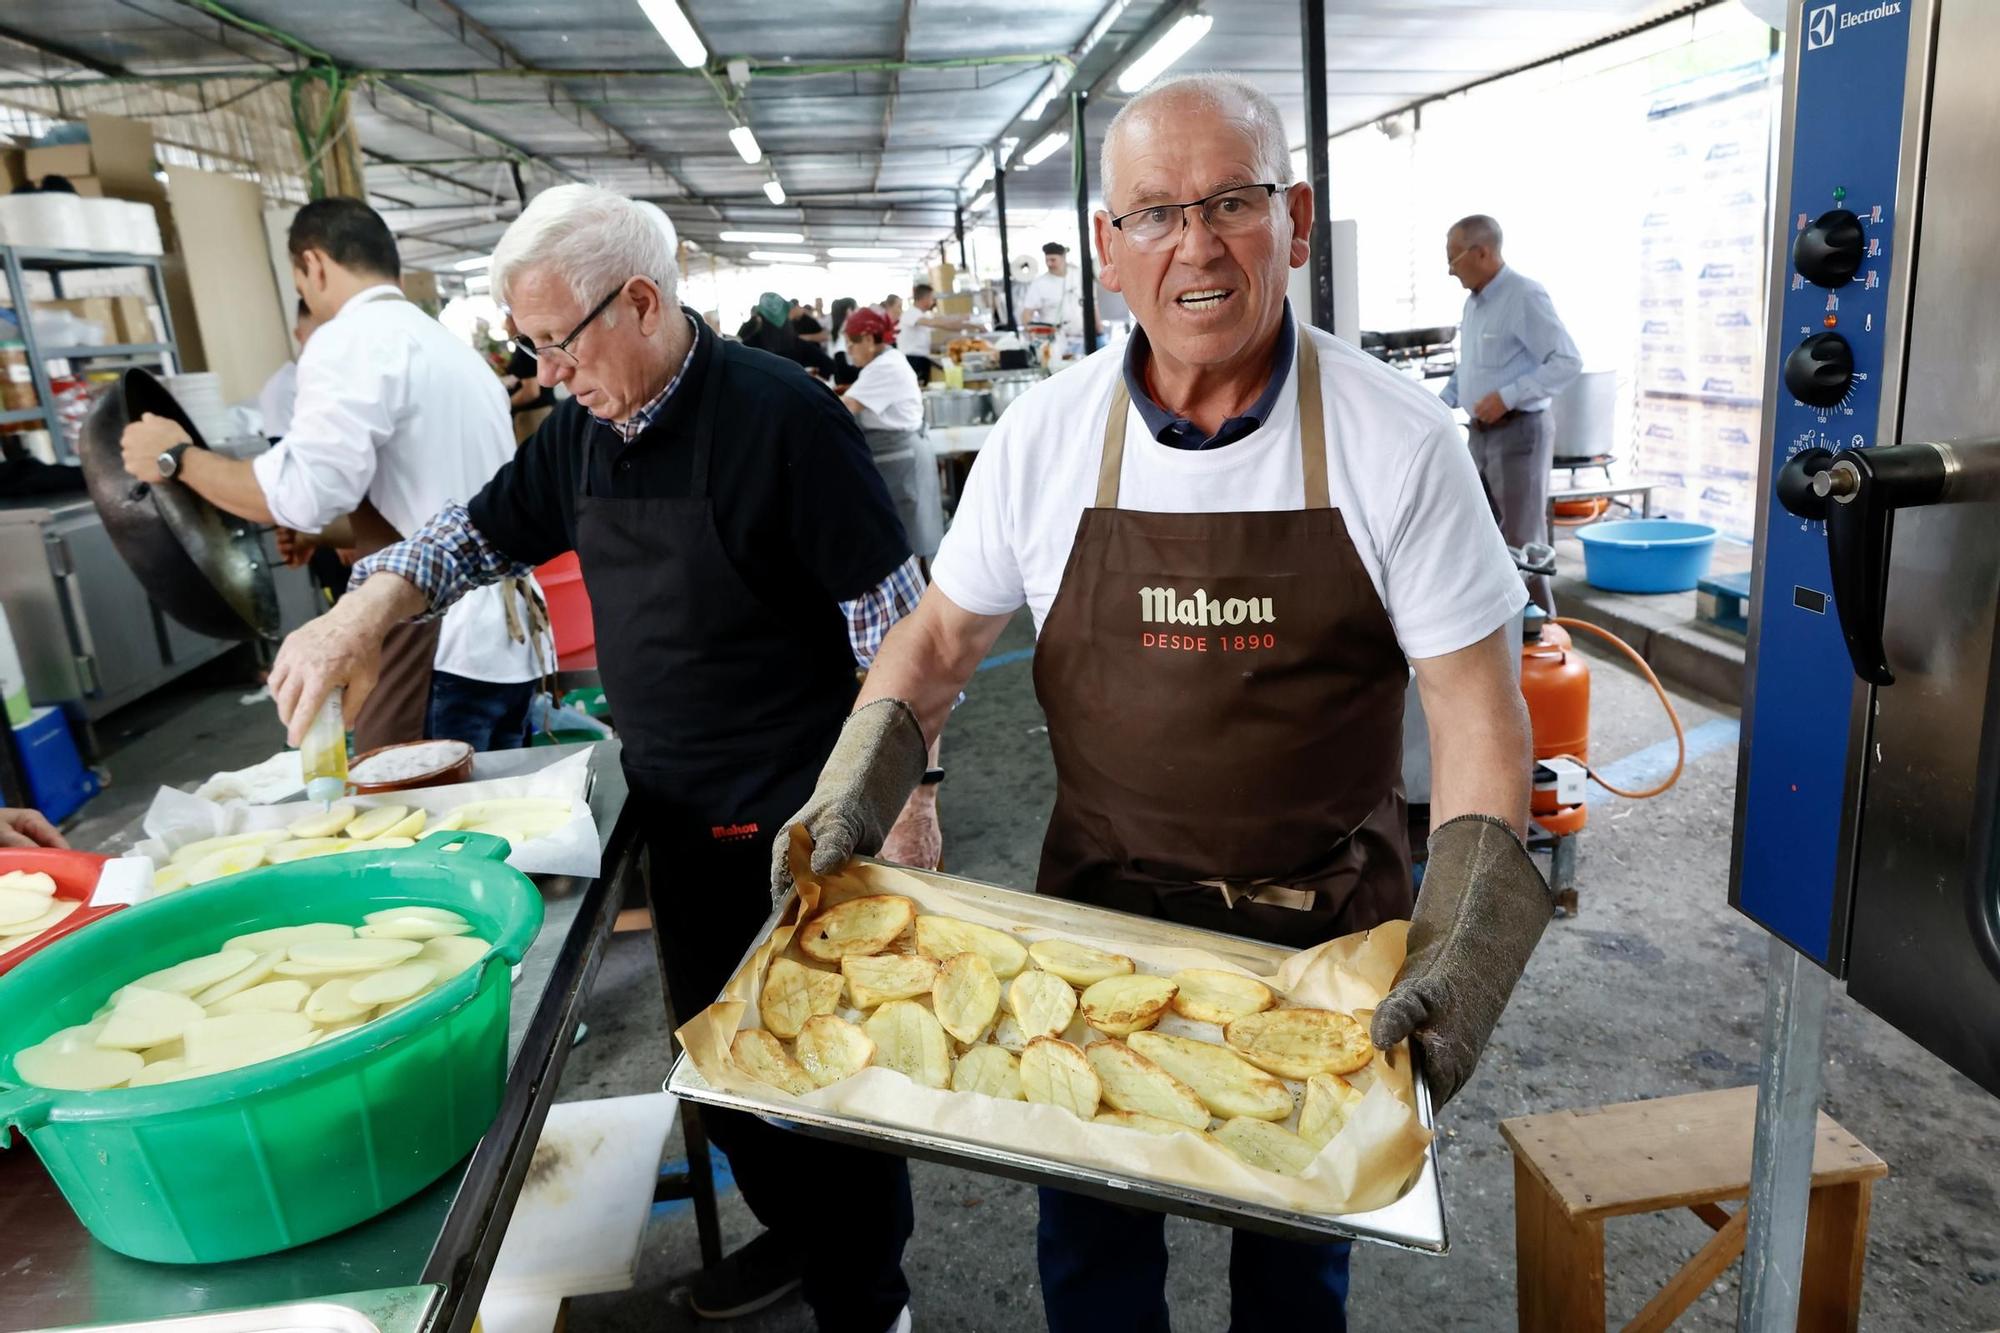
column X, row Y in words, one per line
column 1414, row 1222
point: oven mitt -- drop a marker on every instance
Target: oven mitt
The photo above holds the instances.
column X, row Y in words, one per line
column 875, row 765
column 1479, row 915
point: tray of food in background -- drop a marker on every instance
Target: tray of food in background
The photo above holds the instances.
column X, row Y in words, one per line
column 1134, row 1059
column 44, row 895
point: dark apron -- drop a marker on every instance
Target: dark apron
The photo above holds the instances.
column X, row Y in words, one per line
column 726, row 706
column 1225, row 702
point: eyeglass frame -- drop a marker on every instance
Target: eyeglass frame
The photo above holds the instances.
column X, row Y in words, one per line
column 523, row 343
column 1270, row 189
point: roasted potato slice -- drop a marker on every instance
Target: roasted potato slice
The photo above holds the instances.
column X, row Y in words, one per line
column 1227, row 1084
column 1133, row 1083
column 940, row 937
column 1056, row 1073
column 857, row 926
column 988, row 1070
column 764, row 1058
column 1119, row 1006
column 1266, row 1146
column 1210, row 996
column 1042, row 1004
column 1329, row 1098
column 1298, row 1043
column 1139, row 1120
column 792, row 994
column 1078, row 964
column 830, row 1049
column 909, row 1040
column 966, row 996
column 874, row 979
column 1008, row 1035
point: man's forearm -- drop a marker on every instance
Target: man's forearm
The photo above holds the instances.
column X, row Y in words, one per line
column 1482, row 752
column 384, row 601
column 927, row 658
column 230, row 484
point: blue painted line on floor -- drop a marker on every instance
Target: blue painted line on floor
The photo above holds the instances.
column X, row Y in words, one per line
column 725, row 1183
column 1645, row 768
column 1005, row 659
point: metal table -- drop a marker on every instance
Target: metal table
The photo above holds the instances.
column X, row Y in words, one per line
column 446, row 1238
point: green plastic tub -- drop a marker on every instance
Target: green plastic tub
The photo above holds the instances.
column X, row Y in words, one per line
column 276, row 1154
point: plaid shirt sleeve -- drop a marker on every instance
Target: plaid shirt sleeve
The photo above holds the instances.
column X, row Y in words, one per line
column 446, row 559
column 870, row 615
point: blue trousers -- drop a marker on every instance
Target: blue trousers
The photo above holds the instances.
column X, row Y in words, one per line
column 1104, row 1266
column 484, row 714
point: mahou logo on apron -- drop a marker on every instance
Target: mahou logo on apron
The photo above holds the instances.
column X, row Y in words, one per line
column 1166, row 606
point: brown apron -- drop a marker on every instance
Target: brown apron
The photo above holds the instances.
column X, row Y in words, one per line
column 1224, row 695
column 398, row 708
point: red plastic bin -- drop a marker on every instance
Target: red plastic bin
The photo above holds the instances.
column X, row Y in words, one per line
column 75, row 874
column 570, row 619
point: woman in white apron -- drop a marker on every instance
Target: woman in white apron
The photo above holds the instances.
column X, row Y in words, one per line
column 889, row 405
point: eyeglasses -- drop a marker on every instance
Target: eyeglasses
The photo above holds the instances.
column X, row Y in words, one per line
column 1230, row 212
column 1451, row 261
column 558, row 353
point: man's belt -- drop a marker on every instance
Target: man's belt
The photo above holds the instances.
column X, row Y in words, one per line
column 1513, row 414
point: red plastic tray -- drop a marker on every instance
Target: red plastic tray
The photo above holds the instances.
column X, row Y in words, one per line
column 75, row 874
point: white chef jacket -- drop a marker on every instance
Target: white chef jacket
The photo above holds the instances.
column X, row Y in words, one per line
column 888, row 393
column 391, row 408
column 1051, row 293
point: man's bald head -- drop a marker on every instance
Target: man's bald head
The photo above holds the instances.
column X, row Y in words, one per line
column 1224, row 95
column 1476, row 229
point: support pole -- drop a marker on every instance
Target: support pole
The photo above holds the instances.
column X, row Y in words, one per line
column 1006, row 263
column 1312, row 18
column 1079, row 157
column 958, row 226
column 1788, row 1089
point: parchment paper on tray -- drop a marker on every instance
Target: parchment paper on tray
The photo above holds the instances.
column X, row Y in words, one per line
column 1374, row 1158
column 175, row 818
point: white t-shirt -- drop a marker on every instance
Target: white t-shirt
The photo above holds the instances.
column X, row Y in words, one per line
column 274, row 400
column 391, row 408
column 913, row 335
column 1057, row 298
column 1397, row 469
column 888, row 393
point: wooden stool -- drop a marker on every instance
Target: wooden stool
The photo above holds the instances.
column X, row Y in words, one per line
column 1573, row 1169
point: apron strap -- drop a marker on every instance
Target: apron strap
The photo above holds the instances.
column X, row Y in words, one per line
column 1312, row 433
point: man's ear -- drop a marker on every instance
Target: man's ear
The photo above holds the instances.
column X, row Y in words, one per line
column 648, row 303
column 1100, row 233
column 1299, row 205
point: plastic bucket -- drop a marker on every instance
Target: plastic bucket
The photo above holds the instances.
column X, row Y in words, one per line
column 275, row 1154
column 75, row 874
column 1646, row 554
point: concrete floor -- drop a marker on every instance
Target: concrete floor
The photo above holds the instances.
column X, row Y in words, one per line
column 1656, row 989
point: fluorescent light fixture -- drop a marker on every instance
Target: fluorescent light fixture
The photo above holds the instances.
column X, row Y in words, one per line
column 679, row 34
column 1007, row 147
column 746, row 144
column 861, row 252
column 785, row 256
column 764, row 237
column 1050, row 91
column 979, row 205
column 478, row 282
column 1045, row 148
column 1176, row 42
column 774, row 192
column 480, row 261
column 854, row 266
column 982, row 171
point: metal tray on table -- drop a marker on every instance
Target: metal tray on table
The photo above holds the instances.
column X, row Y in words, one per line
column 1414, row 1222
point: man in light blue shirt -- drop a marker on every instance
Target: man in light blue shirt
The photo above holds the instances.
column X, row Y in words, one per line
column 1514, row 357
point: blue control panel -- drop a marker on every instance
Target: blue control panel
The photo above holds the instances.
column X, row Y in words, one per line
column 1834, row 250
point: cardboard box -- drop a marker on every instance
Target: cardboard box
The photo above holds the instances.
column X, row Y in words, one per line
column 90, row 187
column 136, row 320
column 421, row 287
column 960, row 304
column 70, row 159
column 99, row 310
column 13, row 170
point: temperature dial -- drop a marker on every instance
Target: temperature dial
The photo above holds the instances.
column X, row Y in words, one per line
column 1820, row 370
column 1830, row 251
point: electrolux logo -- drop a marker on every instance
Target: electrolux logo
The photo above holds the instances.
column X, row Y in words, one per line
column 1820, row 27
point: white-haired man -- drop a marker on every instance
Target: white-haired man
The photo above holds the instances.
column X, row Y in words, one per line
column 1237, row 536
column 742, row 556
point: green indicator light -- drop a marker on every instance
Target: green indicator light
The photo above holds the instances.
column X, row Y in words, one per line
column 1839, row 193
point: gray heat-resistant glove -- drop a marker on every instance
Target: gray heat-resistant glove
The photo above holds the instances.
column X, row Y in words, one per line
column 875, row 765
column 1479, row 916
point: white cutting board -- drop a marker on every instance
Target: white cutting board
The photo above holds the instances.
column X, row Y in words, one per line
column 583, row 1208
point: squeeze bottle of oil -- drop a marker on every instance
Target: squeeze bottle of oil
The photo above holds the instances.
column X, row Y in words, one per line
column 323, row 753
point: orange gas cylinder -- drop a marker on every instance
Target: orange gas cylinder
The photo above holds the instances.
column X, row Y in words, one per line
column 1555, row 680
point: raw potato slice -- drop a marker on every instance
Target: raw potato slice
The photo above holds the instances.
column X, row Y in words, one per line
column 20, row 906
column 284, row 937
column 81, row 1037
column 58, row 912
column 449, row 822
column 453, row 955
column 474, row 813
column 1266, row 1146
column 285, row 996
column 410, row 928
column 390, row 987
column 228, row 861
column 161, row 1071
column 170, row 879
column 940, row 937
column 80, row 1070
column 1057, row 1074
column 256, row 974
column 238, row 1039
column 285, row 852
column 409, row 826
column 857, row 926
column 333, row 1003
column 1120, row 1006
column 1151, row 1124
column 1227, row 1084
column 1134, row 1083
column 792, row 994
column 990, row 1071
column 172, row 1050
column 830, row 1049
column 314, row 973
column 1329, row 1098
column 255, row 1055
column 198, row 973
column 1042, row 1004
column 323, row 823
column 354, row 955
column 908, row 1040
column 1078, row 964
column 1298, row 1043
column 384, row 844
column 443, row 914
column 375, row 822
column 204, row 847
column 764, row 1058
column 966, row 997
column 144, row 1018
column 1210, row 996
column 875, row 979
column 29, row 881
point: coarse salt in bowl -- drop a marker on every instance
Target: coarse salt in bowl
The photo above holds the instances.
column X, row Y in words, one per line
column 413, row 764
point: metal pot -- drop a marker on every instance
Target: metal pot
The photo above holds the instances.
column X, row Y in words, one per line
column 955, row 407
column 1005, row 387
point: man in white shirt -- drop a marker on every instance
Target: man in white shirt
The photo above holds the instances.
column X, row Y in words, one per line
column 1237, row 536
column 917, row 336
column 888, row 404
column 392, row 411
column 1055, row 297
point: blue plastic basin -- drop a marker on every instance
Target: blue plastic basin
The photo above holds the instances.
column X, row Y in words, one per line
column 1646, row 554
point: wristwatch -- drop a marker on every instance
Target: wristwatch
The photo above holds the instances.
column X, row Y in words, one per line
column 169, row 462
column 931, row 777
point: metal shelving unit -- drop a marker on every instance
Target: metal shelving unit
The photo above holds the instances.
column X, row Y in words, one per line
column 22, row 260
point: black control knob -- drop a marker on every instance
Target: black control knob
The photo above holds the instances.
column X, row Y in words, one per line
column 1830, row 251
column 1820, row 370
